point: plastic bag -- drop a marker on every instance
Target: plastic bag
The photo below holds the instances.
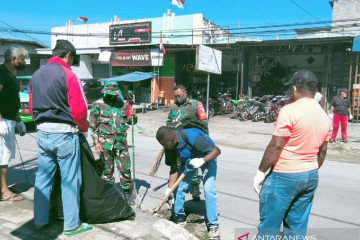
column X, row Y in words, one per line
column 100, row 201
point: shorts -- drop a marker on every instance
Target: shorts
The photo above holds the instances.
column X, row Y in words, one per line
column 7, row 144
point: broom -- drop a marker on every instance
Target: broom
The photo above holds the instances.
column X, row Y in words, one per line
column 157, row 162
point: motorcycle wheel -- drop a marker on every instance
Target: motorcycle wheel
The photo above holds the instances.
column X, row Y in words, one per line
column 256, row 117
column 237, row 113
column 211, row 112
column 232, row 107
column 244, row 115
column 267, row 119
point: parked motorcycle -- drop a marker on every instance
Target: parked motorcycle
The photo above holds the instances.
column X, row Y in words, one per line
column 238, row 106
column 273, row 107
column 225, row 102
column 214, row 106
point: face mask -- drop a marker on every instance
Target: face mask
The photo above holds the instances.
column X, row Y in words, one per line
column 110, row 99
column 179, row 100
column 20, row 66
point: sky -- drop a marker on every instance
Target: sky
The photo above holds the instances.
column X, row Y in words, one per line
column 42, row 15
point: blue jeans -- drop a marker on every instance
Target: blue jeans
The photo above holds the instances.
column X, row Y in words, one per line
column 208, row 178
column 286, row 198
column 63, row 150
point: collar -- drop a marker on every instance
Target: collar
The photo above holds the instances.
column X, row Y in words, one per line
column 59, row 61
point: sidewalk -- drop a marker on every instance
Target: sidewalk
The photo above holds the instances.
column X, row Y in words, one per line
column 16, row 222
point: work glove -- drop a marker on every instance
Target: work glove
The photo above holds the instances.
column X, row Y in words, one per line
column 350, row 117
column 171, row 197
column 21, row 128
column 331, row 115
column 3, row 129
column 258, row 181
column 196, row 162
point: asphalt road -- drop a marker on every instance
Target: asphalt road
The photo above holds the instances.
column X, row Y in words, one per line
column 336, row 204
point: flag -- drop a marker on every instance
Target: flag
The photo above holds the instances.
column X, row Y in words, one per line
column 83, row 19
column 161, row 46
column 178, row 3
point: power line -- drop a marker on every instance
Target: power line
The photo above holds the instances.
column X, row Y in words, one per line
column 296, row 4
column 22, row 32
column 206, row 32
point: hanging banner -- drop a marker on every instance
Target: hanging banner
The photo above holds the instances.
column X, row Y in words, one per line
column 157, row 58
column 128, row 58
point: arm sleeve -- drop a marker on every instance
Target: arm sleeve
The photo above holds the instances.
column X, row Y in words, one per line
column 203, row 145
column 332, row 103
column 94, row 114
column 200, row 111
column 77, row 102
column 283, row 124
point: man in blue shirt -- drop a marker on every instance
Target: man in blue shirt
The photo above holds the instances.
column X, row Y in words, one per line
column 195, row 150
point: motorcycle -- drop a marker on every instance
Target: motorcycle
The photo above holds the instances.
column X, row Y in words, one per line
column 225, row 102
column 214, row 106
column 237, row 106
column 259, row 108
column 273, row 107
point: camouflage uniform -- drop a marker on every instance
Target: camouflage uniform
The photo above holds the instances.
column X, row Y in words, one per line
column 191, row 108
column 108, row 127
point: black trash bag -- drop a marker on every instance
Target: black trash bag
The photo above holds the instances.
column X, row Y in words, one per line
column 100, row 201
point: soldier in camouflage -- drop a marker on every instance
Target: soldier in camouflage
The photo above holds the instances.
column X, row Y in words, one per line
column 108, row 118
column 184, row 108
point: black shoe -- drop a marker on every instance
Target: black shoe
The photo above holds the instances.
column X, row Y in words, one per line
column 331, row 141
column 181, row 222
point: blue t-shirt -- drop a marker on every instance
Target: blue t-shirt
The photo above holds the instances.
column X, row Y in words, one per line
column 200, row 144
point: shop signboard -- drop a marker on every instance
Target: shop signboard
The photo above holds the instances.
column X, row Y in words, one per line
column 130, row 33
column 208, row 59
column 128, row 58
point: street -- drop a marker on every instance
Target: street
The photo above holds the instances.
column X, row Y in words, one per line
column 336, row 203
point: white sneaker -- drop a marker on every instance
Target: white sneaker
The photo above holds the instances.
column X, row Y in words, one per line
column 214, row 233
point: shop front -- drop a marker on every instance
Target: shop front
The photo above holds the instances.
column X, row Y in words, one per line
column 156, row 90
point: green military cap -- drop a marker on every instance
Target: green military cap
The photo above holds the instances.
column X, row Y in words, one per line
column 111, row 88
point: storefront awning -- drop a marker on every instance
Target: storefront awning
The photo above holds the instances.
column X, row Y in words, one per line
column 130, row 77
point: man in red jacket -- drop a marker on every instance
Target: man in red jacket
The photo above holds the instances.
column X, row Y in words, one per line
column 59, row 108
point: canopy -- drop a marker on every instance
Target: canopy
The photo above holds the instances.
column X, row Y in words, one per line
column 130, row 77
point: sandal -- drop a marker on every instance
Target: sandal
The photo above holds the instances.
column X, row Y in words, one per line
column 15, row 197
column 84, row 227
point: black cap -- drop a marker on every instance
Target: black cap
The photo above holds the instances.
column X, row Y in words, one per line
column 302, row 77
column 67, row 46
column 342, row 90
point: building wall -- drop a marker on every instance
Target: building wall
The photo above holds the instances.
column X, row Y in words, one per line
column 97, row 34
column 346, row 9
column 85, row 68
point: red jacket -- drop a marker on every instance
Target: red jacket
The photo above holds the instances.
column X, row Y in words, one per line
column 56, row 95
